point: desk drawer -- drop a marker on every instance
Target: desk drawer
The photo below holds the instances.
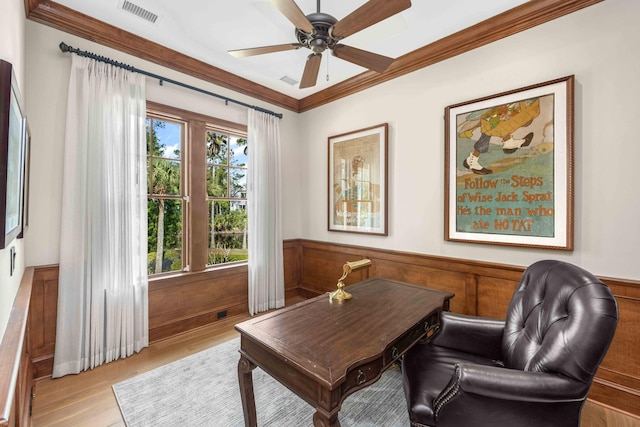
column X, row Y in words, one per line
column 424, row 330
column 362, row 376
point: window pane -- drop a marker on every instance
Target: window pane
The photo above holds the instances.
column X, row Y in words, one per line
column 164, row 177
column 217, row 148
column 165, row 235
column 217, row 181
column 227, row 231
column 148, row 123
column 239, row 151
column 238, row 183
column 165, row 138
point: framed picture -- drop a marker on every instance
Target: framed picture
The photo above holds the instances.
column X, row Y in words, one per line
column 358, row 181
column 11, row 156
column 509, row 167
column 26, row 180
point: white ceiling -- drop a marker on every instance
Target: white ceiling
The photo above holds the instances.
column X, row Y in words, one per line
column 207, row 29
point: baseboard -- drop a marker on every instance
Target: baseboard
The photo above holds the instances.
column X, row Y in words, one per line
column 178, row 326
column 42, row 366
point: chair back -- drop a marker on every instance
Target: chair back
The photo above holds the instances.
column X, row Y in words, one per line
column 561, row 319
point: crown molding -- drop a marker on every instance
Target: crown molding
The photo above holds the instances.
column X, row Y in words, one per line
column 70, row 21
column 513, row 21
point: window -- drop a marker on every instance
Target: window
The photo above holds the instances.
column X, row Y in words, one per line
column 196, row 172
column 226, row 169
column 165, row 195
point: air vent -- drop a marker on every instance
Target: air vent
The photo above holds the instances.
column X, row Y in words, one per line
column 145, row 14
column 289, row 80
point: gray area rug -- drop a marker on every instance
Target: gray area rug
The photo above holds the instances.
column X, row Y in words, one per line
column 202, row 390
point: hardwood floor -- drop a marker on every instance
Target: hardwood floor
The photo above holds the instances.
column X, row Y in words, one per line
column 87, row 399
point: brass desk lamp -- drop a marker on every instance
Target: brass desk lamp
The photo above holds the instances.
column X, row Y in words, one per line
column 341, row 294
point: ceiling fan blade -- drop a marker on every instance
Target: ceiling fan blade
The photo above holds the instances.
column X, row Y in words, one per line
column 290, row 9
column 241, row 53
column 370, row 60
column 366, row 15
column 310, row 74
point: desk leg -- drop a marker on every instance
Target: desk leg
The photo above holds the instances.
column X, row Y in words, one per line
column 322, row 419
column 245, row 378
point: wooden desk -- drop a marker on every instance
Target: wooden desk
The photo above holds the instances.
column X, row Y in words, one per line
column 323, row 350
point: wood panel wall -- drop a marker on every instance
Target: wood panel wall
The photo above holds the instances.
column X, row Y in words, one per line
column 312, row 268
column 176, row 303
column 16, row 372
column 43, row 311
column 485, row 289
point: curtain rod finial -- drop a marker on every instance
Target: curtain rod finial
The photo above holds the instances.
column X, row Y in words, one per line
column 64, row 47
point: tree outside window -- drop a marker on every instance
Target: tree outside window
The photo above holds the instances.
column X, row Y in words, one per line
column 226, row 175
column 197, row 191
column 165, row 197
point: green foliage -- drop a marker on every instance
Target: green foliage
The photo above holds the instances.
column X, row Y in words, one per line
column 226, row 159
column 172, row 223
column 217, row 148
column 176, row 260
column 152, row 138
column 229, row 220
column 164, row 179
column 223, row 255
column 171, row 261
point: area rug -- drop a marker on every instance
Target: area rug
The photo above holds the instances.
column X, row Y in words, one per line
column 202, row 390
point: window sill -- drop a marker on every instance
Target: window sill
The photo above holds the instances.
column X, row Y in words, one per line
column 212, row 272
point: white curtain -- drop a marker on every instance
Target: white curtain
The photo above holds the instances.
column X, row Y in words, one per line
column 102, row 288
column 266, row 276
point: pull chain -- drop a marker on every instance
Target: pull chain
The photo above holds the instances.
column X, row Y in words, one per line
column 327, row 56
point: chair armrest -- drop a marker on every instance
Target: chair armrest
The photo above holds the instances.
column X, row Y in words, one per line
column 513, row 384
column 470, row 334
column 494, row 396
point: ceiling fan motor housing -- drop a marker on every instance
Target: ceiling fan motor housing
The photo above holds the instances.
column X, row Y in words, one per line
column 320, row 39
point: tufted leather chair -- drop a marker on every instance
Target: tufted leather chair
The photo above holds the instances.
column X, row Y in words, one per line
column 533, row 369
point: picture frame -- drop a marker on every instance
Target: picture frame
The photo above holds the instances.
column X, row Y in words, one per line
column 26, row 180
column 357, row 181
column 12, row 139
column 509, row 168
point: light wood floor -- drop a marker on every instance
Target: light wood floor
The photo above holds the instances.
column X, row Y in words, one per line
column 87, row 399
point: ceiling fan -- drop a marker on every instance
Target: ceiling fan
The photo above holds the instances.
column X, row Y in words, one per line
column 321, row 31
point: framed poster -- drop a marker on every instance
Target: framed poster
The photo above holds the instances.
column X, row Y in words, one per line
column 357, row 186
column 509, row 167
column 12, row 139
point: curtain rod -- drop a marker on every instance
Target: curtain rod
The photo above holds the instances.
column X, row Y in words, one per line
column 66, row 48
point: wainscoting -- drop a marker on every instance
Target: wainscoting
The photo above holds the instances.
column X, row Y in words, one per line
column 485, row 289
column 176, row 303
column 16, row 371
column 185, row 302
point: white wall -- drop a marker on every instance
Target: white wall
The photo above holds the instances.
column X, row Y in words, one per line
column 600, row 45
column 47, row 77
column 12, row 28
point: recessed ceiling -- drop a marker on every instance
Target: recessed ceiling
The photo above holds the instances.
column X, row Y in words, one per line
column 207, row 29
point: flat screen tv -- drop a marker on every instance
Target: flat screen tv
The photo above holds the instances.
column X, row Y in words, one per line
column 12, row 141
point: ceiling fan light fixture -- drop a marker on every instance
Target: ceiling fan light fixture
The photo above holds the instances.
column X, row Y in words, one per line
column 320, row 31
column 318, row 45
